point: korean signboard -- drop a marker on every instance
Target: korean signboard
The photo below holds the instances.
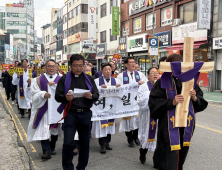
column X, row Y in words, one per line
column 153, row 48
column 138, row 6
column 115, row 20
column 164, row 38
column 217, row 43
column 122, row 44
column 100, row 51
column 116, row 58
column 137, row 43
column 92, row 19
column 188, row 30
column 203, row 14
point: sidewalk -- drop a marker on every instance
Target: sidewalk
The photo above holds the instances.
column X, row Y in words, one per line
column 12, row 156
column 213, row 96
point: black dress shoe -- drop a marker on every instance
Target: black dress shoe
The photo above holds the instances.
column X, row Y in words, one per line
column 53, row 152
column 103, row 150
column 22, row 116
column 137, row 142
column 131, row 145
column 143, row 155
column 108, row 147
column 46, row 156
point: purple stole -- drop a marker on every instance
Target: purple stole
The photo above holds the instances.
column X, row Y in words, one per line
column 41, row 111
column 67, row 87
column 21, row 89
column 152, row 122
column 170, row 87
column 34, row 74
column 126, row 77
column 100, row 73
column 110, row 122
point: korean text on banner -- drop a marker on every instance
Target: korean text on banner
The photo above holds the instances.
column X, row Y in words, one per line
column 64, row 68
column 30, row 73
column 92, row 19
column 116, row 102
column 203, row 14
column 116, row 58
column 38, row 71
column 36, row 61
column 115, row 20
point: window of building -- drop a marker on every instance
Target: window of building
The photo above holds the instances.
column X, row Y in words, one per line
column 70, row 15
column 78, row 10
column 137, row 25
column 85, row 8
column 70, row 4
column 65, row 19
column 103, row 37
column 188, row 12
column 74, row 12
column 65, row 34
column 220, row 11
column 65, row 49
column 125, row 28
column 103, row 10
column 97, row 11
column 111, row 5
column 166, row 16
column 84, row 27
column 149, row 21
column 112, row 37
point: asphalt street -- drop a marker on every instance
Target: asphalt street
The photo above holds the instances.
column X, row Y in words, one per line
column 204, row 154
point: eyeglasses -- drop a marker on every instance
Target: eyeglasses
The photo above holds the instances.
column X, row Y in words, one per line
column 131, row 62
column 51, row 66
column 77, row 66
column 154, row 73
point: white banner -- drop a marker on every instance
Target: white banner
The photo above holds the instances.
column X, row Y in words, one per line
column 203, row 14
column 92, row 19
column 53, row 116
column 116, row 102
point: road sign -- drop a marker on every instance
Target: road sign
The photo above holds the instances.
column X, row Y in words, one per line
column 153, row 46
column 88, row 42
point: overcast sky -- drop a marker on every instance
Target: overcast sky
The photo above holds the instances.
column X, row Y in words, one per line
column 42, row 11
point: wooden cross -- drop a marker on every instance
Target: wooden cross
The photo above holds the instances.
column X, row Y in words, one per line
column 187, row 64
column 21, row 89
column 173, row 120
column 189, row 119
column 153, row 123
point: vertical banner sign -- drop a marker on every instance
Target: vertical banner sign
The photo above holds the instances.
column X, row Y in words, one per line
column 38, row 71
column 115, row 20
column 153, row 46
column 30, row 73
column 203, row 14
column 92, row 19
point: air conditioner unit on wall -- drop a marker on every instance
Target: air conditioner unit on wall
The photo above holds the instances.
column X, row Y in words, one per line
column 176, row 22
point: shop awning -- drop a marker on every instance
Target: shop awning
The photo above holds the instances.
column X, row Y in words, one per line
column 180, row 46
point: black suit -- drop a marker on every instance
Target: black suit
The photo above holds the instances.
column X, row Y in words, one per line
column 78, row 118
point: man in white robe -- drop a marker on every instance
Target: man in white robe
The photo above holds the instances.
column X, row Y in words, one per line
column 41, row 131
column 130, row 125
column 100, row 130
column 23, row 101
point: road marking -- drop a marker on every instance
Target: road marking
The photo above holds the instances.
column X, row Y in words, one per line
column 204, row 127
column 214, row 105
column 20, row 135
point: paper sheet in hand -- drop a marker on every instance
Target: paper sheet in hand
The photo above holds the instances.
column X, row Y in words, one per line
column 80, row 92
column 53, row 115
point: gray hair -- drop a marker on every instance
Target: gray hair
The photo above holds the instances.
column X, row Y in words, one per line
column 49, row 61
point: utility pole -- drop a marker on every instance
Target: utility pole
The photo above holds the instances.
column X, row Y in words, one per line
column 154, row 3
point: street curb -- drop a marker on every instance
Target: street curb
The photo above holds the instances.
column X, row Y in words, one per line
column 214, row 102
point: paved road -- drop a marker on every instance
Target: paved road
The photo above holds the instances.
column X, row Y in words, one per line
column 205, row 151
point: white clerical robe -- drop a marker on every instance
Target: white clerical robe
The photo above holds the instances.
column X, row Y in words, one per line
column 25, row 102
column 97, row 130
column 144, row 117
column 133, row 123
column 42, row 132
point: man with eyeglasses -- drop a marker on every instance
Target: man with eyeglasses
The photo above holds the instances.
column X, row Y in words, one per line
column 130, row 125
column 77, row 113
column 41, row 124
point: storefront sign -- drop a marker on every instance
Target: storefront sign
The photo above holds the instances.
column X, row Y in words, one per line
column 138, row 6
column 217, row 43
column 203, row 14
column 153, row 48
column 188, row 30
column 122, row 44
column 92, row 19
column 164, row 39
column 90, row 56
column 100, row 51
column 14, row 5
column 137, row 43
column 115, row 20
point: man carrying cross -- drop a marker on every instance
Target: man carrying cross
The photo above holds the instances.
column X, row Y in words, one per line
column 173, row 140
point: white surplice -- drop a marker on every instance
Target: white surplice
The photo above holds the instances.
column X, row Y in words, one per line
column 133, row 123
column 144, row 117
column 42, row 132
column 25, row 102
column 97, row 130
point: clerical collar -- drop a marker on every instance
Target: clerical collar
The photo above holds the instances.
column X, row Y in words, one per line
column 76, row 75
column 129, row 72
